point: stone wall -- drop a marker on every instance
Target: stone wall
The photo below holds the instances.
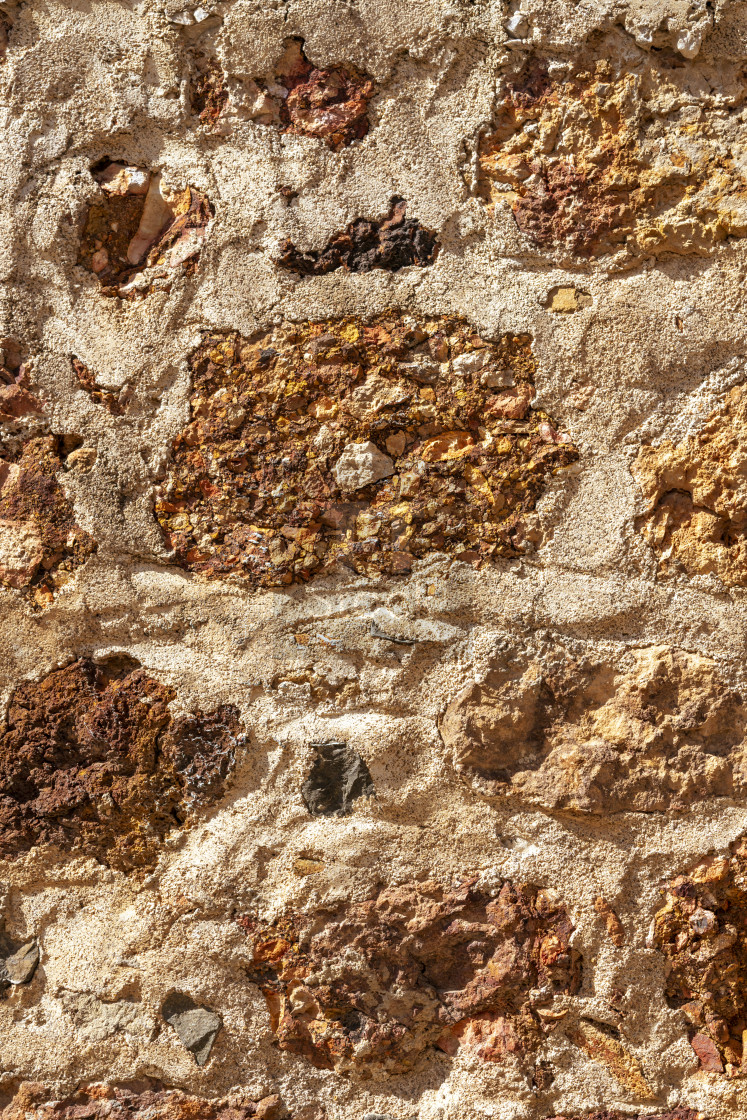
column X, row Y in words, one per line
column 373, row 554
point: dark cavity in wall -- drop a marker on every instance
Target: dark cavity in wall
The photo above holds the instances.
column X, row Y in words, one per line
column 393, row 243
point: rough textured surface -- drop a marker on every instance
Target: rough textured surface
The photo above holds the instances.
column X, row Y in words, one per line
column 367, row 988
column 282, row 472
column 92, row 761
column 499, row 631
column 393, row 243
column 696, row 497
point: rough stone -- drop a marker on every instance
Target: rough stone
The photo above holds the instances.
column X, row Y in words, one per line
column 34, row 1101
column 648, row 729
column 367, row 988
column 93, row 762
column 393, row 243
column 695, row 495
column 260, row 484
column 575, row 150
column 338, row 777
column 196, row 1026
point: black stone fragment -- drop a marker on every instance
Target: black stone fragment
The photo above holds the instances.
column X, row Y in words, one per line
column 339, row 776
column 394, row 243
column 196, row 1026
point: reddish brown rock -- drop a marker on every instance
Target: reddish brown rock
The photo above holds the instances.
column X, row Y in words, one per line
column 702, row 931
column 137, row 225
column 367, row 444
column 33, row 1101
column 40, row 543
column 368, row 988
column 326, row 104
column 393, row 243
column 208, row 92
column 93, row 762
column 15, row 399
column 575, row 150
column 87, row 381
column 650, row 729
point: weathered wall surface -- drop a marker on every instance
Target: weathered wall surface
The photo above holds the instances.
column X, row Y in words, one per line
column 373, row 552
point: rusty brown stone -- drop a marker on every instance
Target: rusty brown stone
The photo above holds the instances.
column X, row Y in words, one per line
column 40, row 543
column 702, row 931
column 650, row 729
column 87, row 381
column 367, row 444
column 138, row 226
column 393, row 243
column 368, row 988
column 603, row 1044
column 614, row 926
column 326, row 104
column 695, row 495
column 574, row 151
column 16, row 400
column 141, row 1101
column 93, row 762
column 208, row 94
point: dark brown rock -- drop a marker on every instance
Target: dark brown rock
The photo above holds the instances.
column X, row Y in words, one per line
column 40, row 543
column 395, row 242
column 367, row 988
column 87, row 381
column 93, row 762
column 208, row 92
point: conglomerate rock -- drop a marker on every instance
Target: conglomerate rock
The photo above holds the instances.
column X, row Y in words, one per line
column 93, row 762
column 367, row 444
column 702, row 931
column 99, row 1101
column 645, row 729
column 695, row 494
column 615, row 1114
column 366, row 988
column 40, row 543
column 618, row 148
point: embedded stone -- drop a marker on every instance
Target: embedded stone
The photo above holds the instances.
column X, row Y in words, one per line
column 393, row 243
column 196, row 1026
column 338, row 778
column 369, row 988
column 281, row 473
column 93, row 762
column 650, row 729
column 139, row 1100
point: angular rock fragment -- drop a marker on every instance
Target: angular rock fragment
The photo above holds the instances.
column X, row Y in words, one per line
column 702, row 931
column 644, row 730
column 367, row 988
column 15, row 399
column 618, row 149
column 326, row 104
column 393, row 243
column 87, row 381
column 93, row 762
column 18, row 962
column 695, row 494
column 40, row 543
column 139, row 226
column 367, row 444
column 338, row 777
column 196, row 1026
column 33, row 1101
